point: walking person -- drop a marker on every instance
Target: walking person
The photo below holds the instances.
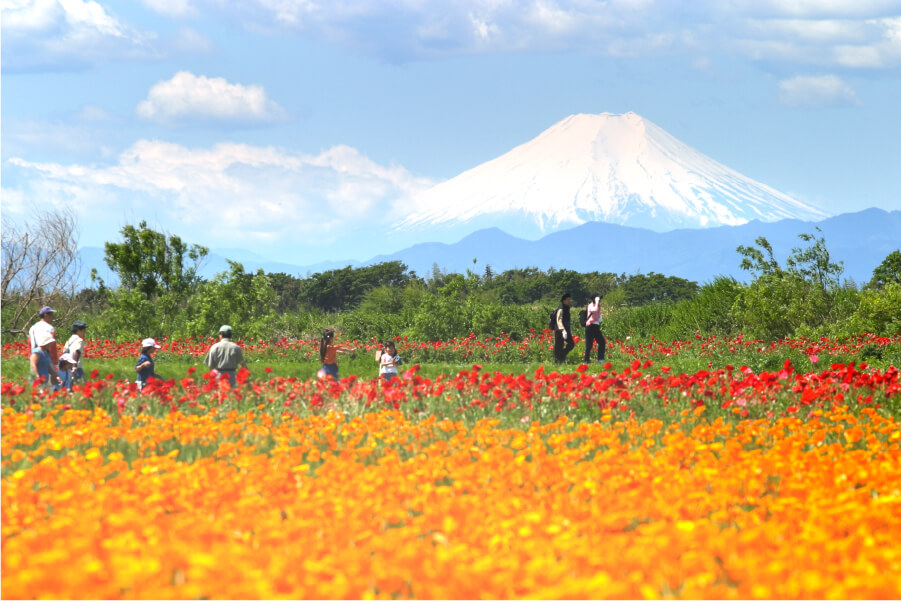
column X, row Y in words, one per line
column 388, row 362
column 593, row 330
column 42, row 368
column 75, row 348
column 225, row 356
column 328, row 353
column 44, row 326
column 144, row 366
column 563, row 334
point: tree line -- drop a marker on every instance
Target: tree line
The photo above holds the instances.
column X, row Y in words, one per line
column 160, row 292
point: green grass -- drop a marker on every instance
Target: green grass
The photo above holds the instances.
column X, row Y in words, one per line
column 361, row 367
column 362, row 364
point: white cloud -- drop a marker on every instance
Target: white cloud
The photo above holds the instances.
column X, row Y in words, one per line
column 816, row 91
column 834, row 33
column 244, row 192
column 846, row 43
column 813, row 30
column 816, row 9
column 196, row 97
column 41, row 34
column 14, row 201
column 178, row 9
column 863, row 34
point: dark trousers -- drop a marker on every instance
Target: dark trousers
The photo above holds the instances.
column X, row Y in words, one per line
column 592, row 334
column 562, row 347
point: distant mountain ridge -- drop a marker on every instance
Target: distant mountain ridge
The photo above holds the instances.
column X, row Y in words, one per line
column 620, row 169
column 861, row 240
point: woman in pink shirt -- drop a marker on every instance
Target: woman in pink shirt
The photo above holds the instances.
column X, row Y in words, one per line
column 593, row 330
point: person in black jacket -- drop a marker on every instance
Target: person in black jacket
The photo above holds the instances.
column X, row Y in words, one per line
column 563, row 333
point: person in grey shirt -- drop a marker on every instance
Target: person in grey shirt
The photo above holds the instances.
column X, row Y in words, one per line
column 225, row 356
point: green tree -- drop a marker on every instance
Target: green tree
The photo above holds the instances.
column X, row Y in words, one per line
column 288, row 291
column 888, row 271
column 642, row 289
column 759, row 261
column 342, row 289
column 489, row 273
column 243, row 300
column 567, row 280
column 814, row 263
column 157, row 274
column 152, row 262
column 879, row 311
column 805, row 295
column 445, row 314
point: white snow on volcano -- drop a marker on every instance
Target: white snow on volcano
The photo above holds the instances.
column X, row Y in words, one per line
column 614, row 168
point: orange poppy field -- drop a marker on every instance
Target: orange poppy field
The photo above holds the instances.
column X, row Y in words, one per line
column 631, row 484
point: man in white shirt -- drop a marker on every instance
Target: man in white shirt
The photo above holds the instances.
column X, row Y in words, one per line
column 42, row 328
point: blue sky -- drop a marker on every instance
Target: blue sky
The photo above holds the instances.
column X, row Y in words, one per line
column 293, row 127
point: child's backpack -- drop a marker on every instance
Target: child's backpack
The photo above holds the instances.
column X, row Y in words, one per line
column 552, row 320
column 583, row 317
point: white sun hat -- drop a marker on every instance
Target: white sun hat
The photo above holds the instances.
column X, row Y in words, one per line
column 149, row 342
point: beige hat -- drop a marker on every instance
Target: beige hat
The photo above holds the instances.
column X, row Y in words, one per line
column 44, row 338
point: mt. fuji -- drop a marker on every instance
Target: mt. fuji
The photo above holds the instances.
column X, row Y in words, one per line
column 619, row 169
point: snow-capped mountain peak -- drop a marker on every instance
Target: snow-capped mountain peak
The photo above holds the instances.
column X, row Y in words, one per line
column 615, row 168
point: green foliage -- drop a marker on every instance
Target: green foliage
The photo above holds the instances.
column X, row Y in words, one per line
column 642, row 322
column 888, row 271
column 443, row 315
column 642, row 289
column 710, row 312
column 130, row 314
column 774, row 305
column 345, row 288
column 288, row 291
column 153, row 263
column 879, row 311
column 779, row 302
column 360, row 325
column 155, row 281
column 161, row 294
column 245, row 301
column 814, row 263
column 759, row 261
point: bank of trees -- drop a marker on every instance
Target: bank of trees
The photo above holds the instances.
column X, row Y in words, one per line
column 160, row 292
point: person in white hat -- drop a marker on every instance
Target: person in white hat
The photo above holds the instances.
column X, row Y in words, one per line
column 67, row 364
column 144, row 366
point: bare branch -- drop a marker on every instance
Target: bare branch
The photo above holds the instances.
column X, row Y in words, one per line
column 39, row 263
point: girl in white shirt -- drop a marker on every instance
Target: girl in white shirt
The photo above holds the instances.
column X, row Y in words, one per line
column 388, row 362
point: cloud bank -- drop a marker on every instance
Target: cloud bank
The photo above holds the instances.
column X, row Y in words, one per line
column 48, row 34
column 864, row 34
column 235, row 191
